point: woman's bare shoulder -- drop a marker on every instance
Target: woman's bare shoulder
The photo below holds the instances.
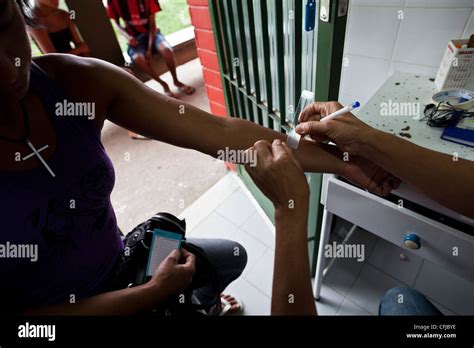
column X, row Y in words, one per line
column 84, row 78
column 75, row 71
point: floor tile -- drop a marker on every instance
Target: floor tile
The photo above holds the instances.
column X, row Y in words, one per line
column 214, row 226
column 386, row 257
column 253, row 300
column 254, row 248
column 261, row 275
column 443, row 309
column 350, row 308
column 370, row 287
column 258, row 228
column 329, row 302
column 446, row 288
column 209, row 201
column 237, row 208
column 342, row 275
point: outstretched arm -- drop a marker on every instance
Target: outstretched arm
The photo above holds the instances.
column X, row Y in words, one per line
column 132, row 105
column 437, row 175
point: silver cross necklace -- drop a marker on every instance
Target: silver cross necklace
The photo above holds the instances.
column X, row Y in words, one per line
column 26, row 139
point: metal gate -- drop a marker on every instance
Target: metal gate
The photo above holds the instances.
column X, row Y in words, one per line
column 267, row 56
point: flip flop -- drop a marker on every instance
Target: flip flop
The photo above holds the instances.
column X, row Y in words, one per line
column 228, row 307
column 187, row 89
column 136, row 136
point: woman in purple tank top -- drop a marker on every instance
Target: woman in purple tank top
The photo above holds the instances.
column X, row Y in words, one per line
column 58, row 236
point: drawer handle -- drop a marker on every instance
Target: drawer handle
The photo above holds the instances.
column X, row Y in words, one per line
column 412, row 241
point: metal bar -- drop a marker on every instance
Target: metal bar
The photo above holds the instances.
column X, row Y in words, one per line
column 244, row 28
column 243, row 103
column 232, row 40
column 234, row 8
column 324, row 238
column 266, row 54
column 253, row 45
column 240, row 29
column 280, row 48
column 298, row 14
column 239, row 108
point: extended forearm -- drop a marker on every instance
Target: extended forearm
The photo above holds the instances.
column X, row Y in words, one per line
column 292, row 294
column 172, row 121
column 128, row 301
column 437, row 175
column 241, row 134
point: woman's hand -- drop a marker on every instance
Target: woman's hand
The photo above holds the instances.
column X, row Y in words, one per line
column 174, row 274
column 278, row 174
column 346, row 131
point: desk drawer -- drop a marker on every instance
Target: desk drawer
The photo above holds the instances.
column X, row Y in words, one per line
column 387, row 220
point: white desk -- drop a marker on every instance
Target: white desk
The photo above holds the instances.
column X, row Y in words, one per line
column 385, row 218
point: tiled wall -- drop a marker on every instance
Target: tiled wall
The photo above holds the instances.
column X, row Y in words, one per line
column 378, row 43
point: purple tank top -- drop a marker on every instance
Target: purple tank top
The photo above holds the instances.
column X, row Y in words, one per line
column 69, row 217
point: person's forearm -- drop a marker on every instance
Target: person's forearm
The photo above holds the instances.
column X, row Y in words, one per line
column 446, row 179
column 175, row 122
column 127, row 301
column 317, row 158
column 292, row 293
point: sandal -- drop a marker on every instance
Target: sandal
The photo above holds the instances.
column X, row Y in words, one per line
column 187, row 89
column 136, row 136
column 227, row 309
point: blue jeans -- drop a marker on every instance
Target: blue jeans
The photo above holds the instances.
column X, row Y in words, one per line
column 406, row 301
column 142, row 46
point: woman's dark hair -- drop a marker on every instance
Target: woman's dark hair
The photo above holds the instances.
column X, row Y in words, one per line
column 25, row 8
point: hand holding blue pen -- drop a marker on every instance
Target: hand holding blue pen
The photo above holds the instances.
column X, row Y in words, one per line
column 345, row 109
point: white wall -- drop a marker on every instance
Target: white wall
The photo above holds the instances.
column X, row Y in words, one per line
column 378, row 43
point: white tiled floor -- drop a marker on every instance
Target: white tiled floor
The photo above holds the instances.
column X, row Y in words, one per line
column 350, row 287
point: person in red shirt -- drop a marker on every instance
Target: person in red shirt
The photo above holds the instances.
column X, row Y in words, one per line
column 145, row 39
